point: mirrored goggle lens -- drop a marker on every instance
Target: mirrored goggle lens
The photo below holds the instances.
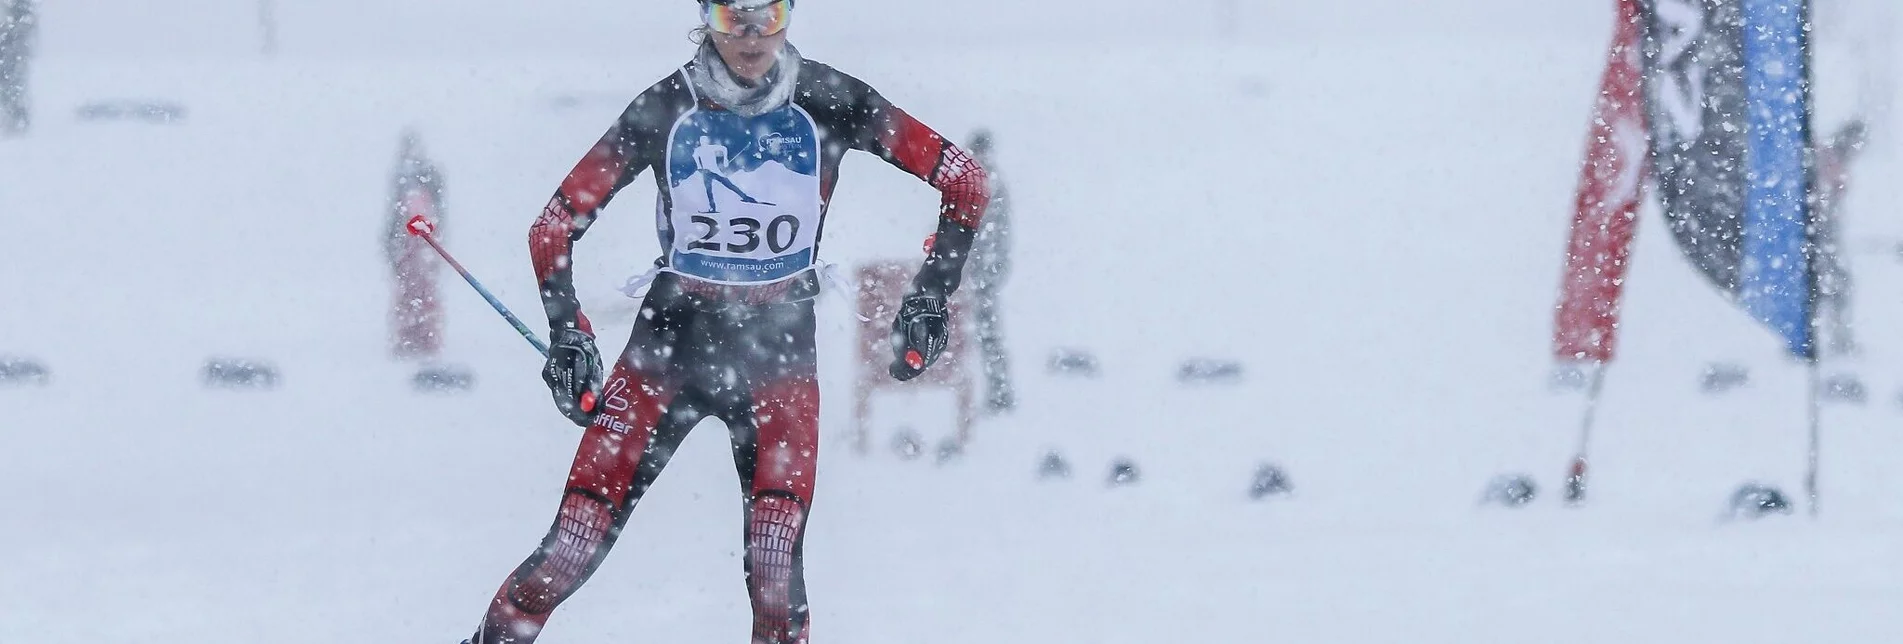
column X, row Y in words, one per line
column 765, row 21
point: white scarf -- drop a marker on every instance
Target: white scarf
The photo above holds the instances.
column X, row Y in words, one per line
column 712, row 79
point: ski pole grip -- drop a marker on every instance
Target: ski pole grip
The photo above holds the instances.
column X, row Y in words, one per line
column 420, row 226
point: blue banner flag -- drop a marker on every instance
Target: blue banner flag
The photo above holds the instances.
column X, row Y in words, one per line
column 1776, row 285
column 1727, row 86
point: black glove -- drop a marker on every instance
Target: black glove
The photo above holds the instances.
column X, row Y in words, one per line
column 573, row 374
column 919, row 334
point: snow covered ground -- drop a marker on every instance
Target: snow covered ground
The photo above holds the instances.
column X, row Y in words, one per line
column 1366, row 202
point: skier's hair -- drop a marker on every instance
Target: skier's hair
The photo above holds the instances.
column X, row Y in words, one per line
column 698, row 35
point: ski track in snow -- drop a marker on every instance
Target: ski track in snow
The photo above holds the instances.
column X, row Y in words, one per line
column 1374, row 228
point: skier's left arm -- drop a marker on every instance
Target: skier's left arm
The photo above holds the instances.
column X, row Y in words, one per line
column 922, row 330
column 962, row 184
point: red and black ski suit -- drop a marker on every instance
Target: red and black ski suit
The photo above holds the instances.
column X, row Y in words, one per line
column 740, row 353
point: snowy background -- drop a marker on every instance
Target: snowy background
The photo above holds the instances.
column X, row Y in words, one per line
column 1364, row 201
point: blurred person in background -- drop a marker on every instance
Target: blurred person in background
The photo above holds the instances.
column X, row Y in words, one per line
column 1834, row 281
column 416, row 317
column 990, row 266
column 726, row 329
column 17, row 26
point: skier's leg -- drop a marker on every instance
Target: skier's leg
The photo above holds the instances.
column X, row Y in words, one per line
column 16, row 49
column 12, row 87
column 12, row 105
column 416, row 315
column 777, row 467
column 641, row 424
column 427, row 335
column 707, row 178
column 998, row 394
column 776, row 447
column 736, row 189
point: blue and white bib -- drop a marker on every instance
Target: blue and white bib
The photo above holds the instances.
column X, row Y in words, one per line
column 745, row 195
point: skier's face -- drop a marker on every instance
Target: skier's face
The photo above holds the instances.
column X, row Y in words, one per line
column 750, row 56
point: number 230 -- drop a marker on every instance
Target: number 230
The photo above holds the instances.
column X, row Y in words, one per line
column 785, row 227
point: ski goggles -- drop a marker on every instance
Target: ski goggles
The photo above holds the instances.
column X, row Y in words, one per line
column 734, row 21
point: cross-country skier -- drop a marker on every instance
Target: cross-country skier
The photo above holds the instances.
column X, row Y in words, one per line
column 990, row 266
column 17, row 25
column 1833, row 276
column 416, row 317
column 727, row 328
column 710, row 161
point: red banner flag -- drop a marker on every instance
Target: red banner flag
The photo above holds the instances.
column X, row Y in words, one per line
column 1606, row 209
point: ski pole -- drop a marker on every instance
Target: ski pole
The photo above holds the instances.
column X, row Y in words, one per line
column 421, row 226
column 1576, row 476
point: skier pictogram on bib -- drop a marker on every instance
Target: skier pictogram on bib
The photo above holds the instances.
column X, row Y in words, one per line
column 712, row 160
column 745, row 194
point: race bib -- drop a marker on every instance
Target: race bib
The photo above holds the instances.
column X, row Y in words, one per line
column 745, row 195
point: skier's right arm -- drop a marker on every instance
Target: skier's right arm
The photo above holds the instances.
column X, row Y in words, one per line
column 573, row 370
column 616, row 159
column 567, row 217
